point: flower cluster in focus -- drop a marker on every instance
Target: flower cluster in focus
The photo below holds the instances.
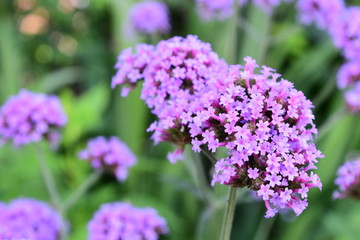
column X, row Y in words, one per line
column 30, row 117
column 29, row 219
column 348, row 180
column 150, row 17
column 126, row 222
column 177, row 71
column 268, row 128
column 110, row 154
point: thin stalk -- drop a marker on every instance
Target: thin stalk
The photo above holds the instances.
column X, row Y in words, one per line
column 48, row 178
column 51, row 188
column 229, row 215
column 81, row 190
column 332, row 120
column 208, row 154
column 201, row 180
column 232, row 30
column 264, row 228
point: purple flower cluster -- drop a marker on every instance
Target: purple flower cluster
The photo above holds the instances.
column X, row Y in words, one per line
column 346, row 32
column 349, row 79
column 321, row 12
column 268, row 128
column 177, row 71
column 150, row 17
column 29, row 117
column 109, row 154
column 266, row 125
column 348, row 180
column 123, row 221
column 210, row 9
column 29, row 219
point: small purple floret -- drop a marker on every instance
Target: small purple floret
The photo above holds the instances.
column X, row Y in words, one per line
column 109, row 154
column 348, row 180
column 29, row 219
column 150, row 17
column 126, row 222
column 30, row 117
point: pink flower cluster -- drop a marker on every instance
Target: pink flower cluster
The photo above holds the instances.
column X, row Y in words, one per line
column 268, row 128
column 349, row 79
column 266, row 125
column 150, row 17
column 29, row 219
column 110, row 154
column 30, row 117
column 343, row 25
column 348, row 180
column 323, row 13
column 126, row 222
column 177, row 71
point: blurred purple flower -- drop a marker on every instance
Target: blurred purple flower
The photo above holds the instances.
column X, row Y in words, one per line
column 323, row 13
column 345, row 32
column 109, row 154
column 348, row 74
column 352, row 98
column 348, row 180
column 30, row 117
column 150, row 17
column 29, row 219
column 219, row 9
column 123, row 221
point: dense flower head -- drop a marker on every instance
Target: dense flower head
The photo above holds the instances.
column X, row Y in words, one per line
column 348, row 74
column 352, row 98
column 321, row 12
column 210, row 9
column 268, row 128
column 30, row 117
column 110, row 154
column 348, row 180
column 178, row 70
column 126, row 222
column 150, row 17
column 130, row 67
column 345, row 32
column 29, row 219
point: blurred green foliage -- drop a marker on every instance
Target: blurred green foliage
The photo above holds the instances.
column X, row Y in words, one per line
column 72, row 55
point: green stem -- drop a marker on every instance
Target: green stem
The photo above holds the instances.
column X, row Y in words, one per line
column 208, row 154
column 331, row 121
column 48, row 178
column 229, row 215
column 231, row 46
column 264, row 228
column 81, row 190
column 51, row 188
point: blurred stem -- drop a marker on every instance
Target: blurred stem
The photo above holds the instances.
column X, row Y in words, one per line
column 229, row 215
column 256, row 43
column 330, row 122
column 81, row 190
column 51, row 188
column 264, row 228
column 201, row 180
column 208, row 154
column 232, row 37
column 48, row 178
